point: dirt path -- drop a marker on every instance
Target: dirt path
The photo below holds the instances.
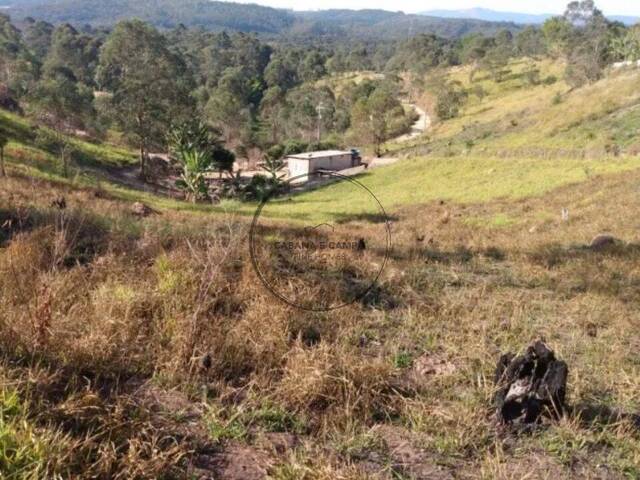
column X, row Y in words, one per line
column 418, row 128
column 422, row 124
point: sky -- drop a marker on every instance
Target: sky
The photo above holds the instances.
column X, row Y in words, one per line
column 610, row 7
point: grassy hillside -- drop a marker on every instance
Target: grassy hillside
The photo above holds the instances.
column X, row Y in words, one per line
column 106, row 319
column 147, row 348
column 547, row 119
column 517, row 141
column 29, row 149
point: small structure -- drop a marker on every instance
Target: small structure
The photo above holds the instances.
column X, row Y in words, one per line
column 301, row 165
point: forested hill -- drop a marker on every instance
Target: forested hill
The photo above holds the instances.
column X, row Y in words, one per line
column 161, row 13
column 214, row 16
column 372, row 23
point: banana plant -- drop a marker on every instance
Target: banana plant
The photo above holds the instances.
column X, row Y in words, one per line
column 200, row 151
column 196, row 163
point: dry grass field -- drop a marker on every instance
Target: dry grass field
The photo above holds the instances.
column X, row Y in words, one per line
column 147, row 347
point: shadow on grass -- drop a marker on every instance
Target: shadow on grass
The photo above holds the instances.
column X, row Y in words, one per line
column 598, row 414
column 433, row 255
column 86, row 235
column 376, row 218
column 554, row 255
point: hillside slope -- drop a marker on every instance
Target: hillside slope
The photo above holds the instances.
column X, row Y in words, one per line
column 147, row 347
column 517, row 141
column 515, row 17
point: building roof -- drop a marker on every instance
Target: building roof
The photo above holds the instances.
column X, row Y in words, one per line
column 318, row 154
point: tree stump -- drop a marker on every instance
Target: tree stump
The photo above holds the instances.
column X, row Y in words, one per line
column 530, row 386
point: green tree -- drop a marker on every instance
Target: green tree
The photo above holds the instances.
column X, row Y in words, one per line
column 74, row 51
column 588, row 48
column 37, row 36
column 556, row 32
column 63, row 105
column 312, row 67
column 497, row 57
column 148, row 84
column 374, row 119
column 530, row 42
column 280, row 74
column 195, row 164
column 450, row 96
column 274, row 163
column 627, row 45
column 18, row 67
column 581, row 13
column 227, row 112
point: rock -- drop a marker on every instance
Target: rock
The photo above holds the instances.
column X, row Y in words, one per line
column 602, row 241
column 158, row 399
column 139, row 209
column 530, row 385
column 429, row 364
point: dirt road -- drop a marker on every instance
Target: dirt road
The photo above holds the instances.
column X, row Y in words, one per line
column 421, row 124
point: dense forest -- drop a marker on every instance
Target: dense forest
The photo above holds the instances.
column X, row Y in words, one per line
column 217, row 16
column 262, row 97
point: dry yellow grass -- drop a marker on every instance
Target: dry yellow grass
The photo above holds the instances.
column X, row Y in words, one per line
column 148, row 348
column 106, row 312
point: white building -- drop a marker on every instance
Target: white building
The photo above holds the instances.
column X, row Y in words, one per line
column 302, row 164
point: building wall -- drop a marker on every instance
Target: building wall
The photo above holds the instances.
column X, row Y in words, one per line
column 335, row 162
column 298, row 167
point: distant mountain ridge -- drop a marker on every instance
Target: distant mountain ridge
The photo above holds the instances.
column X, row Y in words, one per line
column 489, row 15
column 216, row 16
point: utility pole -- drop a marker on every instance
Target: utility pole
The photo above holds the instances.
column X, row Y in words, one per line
column 319, row 109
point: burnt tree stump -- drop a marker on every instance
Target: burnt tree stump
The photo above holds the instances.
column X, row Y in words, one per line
column 530, row 385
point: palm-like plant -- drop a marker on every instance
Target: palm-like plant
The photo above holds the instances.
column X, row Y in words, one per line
column 195, row 164
column 199, row 151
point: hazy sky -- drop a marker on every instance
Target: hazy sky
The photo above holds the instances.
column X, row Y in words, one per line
column 619, row 7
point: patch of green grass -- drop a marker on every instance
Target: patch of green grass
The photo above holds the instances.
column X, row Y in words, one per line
column 223, row 427
column 273, row 418
column 402, row 359
column 570, row 443
column 498, row 220
column 422, row 180
column 23, row 453
column 25, row 149
column 235, row 424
